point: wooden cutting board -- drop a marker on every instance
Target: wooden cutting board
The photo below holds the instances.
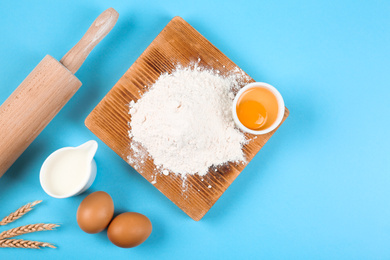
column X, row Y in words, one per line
column 177, row 43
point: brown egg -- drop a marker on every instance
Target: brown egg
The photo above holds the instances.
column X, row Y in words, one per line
column 95, row 212
column 129, row 229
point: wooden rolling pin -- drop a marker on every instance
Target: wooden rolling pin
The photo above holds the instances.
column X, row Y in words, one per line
column 44, row 92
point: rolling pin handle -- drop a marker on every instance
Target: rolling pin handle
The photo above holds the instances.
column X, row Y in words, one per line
column 75, row 57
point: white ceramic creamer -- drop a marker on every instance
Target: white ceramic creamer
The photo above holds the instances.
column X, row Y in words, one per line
column 69, row 171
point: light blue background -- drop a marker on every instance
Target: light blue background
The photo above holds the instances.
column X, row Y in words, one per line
column 319, row 189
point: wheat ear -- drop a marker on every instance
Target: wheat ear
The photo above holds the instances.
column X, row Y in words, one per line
column 20, row 243
column 19, row 213
column 26, row 229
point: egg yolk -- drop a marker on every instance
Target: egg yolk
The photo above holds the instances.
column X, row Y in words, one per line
column 257, row 108
column 252, row 114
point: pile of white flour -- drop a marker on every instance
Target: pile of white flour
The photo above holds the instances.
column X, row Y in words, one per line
column 185, row 121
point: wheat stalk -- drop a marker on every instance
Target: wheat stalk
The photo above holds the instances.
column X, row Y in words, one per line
column 19, row 213
column 26, row 229
column 20, row 243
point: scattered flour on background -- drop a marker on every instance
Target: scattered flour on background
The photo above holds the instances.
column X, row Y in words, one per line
column 185, row 123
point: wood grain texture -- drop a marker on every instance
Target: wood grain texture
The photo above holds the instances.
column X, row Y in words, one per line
column 28, row 110
column 44, row 92
column 177, row 43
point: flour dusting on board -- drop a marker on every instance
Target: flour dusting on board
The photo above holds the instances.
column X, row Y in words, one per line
column 184, row 122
